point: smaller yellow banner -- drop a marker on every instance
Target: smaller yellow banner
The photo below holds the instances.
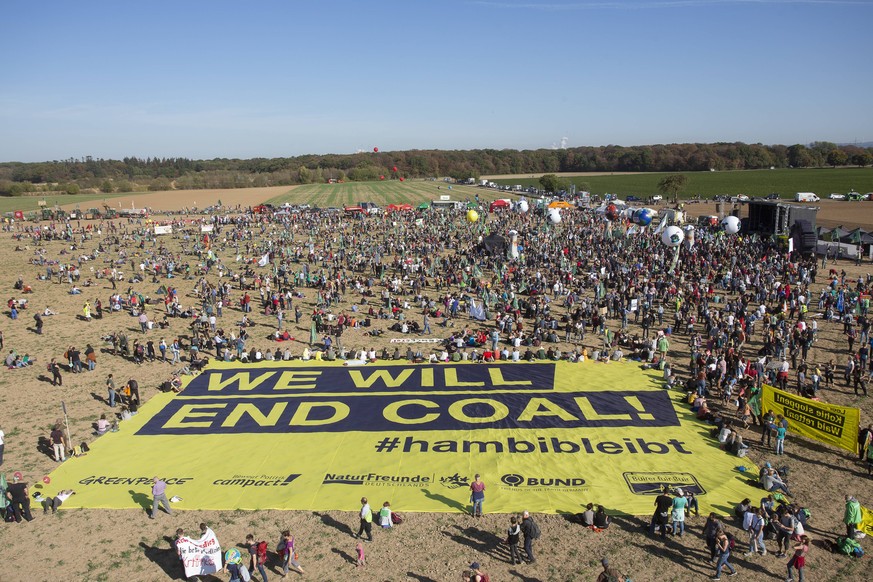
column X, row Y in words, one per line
column 866, row 524
column 828, row 423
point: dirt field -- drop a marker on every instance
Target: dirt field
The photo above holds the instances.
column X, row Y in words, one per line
column 125, row 545
column 178, row 199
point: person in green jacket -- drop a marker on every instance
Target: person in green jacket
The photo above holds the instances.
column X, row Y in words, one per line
column 852, row 517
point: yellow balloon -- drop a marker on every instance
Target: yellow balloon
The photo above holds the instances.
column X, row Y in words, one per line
column 472, row 216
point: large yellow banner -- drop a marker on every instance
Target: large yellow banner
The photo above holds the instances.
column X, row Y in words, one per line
column 828, row 423
column 547, row 437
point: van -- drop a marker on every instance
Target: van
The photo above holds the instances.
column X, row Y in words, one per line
column 806, row 197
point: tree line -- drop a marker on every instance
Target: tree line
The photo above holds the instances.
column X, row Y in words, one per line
column 132, row 174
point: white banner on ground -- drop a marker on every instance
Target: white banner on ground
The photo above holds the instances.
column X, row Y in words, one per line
column 417, row 340
column 168, row 229
column 206, row 228
column 201, row 556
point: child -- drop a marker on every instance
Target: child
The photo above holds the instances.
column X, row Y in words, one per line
column 359, row 550
column 385, row 516
column 799, row 558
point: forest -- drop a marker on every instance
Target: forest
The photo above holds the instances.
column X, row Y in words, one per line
column 137, row 174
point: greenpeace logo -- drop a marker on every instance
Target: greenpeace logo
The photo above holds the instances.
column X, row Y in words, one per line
column 378, row 480
column 112, row 480
column 257, row 481
column 516, row 481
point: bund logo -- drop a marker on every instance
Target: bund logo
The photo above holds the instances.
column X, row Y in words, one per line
column 455, row 481
column 516, row 481
column 653, row 483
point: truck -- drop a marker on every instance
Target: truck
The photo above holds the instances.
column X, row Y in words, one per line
column 806, row 197
column 369, row 207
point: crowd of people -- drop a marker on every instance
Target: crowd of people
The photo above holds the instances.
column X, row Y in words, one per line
column 743, row 310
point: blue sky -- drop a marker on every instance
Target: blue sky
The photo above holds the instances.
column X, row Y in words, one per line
column 280, row 78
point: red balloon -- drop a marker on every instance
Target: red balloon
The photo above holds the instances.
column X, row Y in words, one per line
column 381, row 177
column 46, row 479
column 401, row 179
column 376, row 150
column 394, row 168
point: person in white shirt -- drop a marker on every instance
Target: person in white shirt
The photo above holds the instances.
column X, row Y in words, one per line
column 516, row 355
column 56, row 501
column 2, row 444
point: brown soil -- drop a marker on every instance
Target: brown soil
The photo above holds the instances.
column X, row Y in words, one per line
column 114, row 544
column 178, row 199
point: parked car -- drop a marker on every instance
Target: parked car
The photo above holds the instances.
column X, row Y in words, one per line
column 657, row 198
column 836, row 196
column 633, row 198
column 772, row 196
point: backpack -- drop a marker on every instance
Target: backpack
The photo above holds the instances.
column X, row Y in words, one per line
column 262, row 552
column 244, row 573
column 396, row 518
column 535, row 532
column 806, row 513
column 731, row 540
column 849, row 547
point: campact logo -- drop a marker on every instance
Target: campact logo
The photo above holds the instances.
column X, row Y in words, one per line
column 377, row 480
column 516, row 481
column 256, row 481
column 112, row 480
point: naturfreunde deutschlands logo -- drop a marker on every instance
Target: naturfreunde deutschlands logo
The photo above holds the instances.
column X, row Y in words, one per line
column 377, row 480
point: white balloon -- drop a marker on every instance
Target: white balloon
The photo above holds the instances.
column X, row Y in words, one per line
column 672, row 236
column 731, row 224
column 555, row 217
column 523, row 206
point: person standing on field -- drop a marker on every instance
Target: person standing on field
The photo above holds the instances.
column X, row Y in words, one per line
column 159, row 496
column 366, row 520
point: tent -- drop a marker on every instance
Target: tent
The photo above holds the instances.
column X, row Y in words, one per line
column 560, row 204
column 398, row 207
column 423, row 206
column 498, row 205
column 857, row 237
column 838, row 233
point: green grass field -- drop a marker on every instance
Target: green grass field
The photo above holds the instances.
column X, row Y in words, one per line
column 786, row 182
column 29, row 203
column 381, row 193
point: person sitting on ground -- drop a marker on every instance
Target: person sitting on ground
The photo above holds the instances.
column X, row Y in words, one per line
column 102, row 425
column 588, row 515
column 773, row 482
column 601, row 520
column 49, row 312
column 741, row 508
column 609, row 573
